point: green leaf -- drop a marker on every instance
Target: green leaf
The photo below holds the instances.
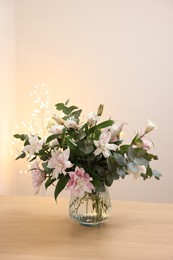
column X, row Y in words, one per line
column 22, row 155
column 144, row 176
column 132, row 167
column 66, row 110
column 149, row 172
column 46, row 169
column 131, row 153
column 124, row 148
column 112, row 164
column 105, row 124
column 76, row 113
column 140, row 152
column 51, row 138
column 70, row 143
column 150, row 156
column 121, row 172
column 135, row 139
column 22, row 137
column 141, row 161
column 33, row 158
column 62, row 182
column 120, row 159
column 49, row 182
column 86, row 146
column 110, row 177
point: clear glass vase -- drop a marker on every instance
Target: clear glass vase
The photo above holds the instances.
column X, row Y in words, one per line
column 91, row 209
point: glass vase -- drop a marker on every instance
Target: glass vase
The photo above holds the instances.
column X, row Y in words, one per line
column 91, row 209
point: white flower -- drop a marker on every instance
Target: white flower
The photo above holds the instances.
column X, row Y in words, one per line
column 56, row 129
column 116, row 131
column 150, row 126
column 103, row 145
column 59, row 120
column 71, row 123
column 34, row 146
column 59, row 162
column 92, row 118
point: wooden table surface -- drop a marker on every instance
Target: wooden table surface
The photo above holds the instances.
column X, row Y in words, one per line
column 38, row 228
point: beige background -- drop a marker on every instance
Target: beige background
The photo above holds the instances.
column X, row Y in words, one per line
column 97, row 51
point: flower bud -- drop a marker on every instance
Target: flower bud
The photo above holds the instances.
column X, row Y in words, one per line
column 150, row 126
column 100, row 110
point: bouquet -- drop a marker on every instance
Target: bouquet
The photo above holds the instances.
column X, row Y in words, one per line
column 82, row 156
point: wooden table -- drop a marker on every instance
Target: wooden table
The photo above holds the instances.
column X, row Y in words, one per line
column 39, row 229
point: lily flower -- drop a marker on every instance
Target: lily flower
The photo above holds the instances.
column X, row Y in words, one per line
column 38, row 176
column 145, row 143
column 71, row 123
column 80, row 182
column 150, row 126
column 56, row 129
column 92, row 118
column 59, row 162
column 103, row 145
column 116, row 131
column 34, row 146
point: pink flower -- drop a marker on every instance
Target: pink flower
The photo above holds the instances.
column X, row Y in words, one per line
column 38, row 176
column 146, row 143
column 103, row 145
column 80, row 181
column 59, row 162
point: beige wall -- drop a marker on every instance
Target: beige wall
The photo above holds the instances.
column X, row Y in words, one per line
column 102, row 51
column 7, row 96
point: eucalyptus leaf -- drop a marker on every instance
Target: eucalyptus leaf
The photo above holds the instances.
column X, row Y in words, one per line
column 132, row 167
column 131, row 153
column 141, row 161
column 66, row 110
column 121, row 172
column 112, row 164
column 76, row 113
column 140, row 153
column 86, row 146
column 22, row 137
column 120, row 159
column 110, row 177
column 156, row 174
